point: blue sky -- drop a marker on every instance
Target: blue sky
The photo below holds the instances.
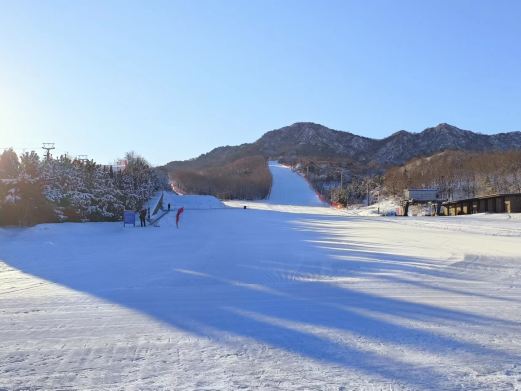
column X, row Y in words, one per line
column 172, row 80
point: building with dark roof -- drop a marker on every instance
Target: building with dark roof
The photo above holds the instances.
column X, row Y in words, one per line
column 495, row 203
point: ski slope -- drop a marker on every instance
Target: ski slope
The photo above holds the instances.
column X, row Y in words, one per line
column 196, row 202
column 273, row 297
column 290, row 188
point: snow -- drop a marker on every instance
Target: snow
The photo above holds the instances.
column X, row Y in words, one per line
column 289, row 188
column 153, row 202
column 386, row 207
column 276, row 296
column 193, row 202
column 183, row 201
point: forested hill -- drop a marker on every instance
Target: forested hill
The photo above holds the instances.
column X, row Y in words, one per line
column 459, row 174
column 306, row 142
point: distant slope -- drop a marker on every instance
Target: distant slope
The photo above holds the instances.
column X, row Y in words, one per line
column 289, row 188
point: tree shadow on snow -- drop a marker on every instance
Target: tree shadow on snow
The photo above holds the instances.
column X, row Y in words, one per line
column 294, row 289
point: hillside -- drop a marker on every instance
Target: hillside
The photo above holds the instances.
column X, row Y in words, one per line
column 329, row 151
column 459, row 174
column 306, row 139
column 244, row 178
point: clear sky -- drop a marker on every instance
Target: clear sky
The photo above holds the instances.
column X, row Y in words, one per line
column 173, row 79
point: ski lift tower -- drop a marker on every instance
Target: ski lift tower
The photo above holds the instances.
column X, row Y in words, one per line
column 48, row 147
column 83, row 158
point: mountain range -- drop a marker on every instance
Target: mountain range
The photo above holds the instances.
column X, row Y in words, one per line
column 307, row 140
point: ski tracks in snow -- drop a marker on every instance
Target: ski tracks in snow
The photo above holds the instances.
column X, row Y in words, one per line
column 270, row 297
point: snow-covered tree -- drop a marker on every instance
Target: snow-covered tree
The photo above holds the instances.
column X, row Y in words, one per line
column 66, row 189
column 9, row 164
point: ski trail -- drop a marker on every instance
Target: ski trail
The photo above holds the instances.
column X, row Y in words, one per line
column 289, row 188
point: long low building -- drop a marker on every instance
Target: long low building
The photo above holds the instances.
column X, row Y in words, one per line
column 496, row 203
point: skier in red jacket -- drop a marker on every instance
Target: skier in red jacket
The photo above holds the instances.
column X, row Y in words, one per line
column 178, row 216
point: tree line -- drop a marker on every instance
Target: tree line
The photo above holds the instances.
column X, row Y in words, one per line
column 459, row 174
column 35, row 190
column 456, row 174
column 339, row 181
column 243, row 178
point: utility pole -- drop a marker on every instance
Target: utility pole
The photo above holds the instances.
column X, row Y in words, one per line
column 48, row 147
column 367, row 193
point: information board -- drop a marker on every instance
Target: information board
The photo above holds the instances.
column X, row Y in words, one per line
column 129, row 217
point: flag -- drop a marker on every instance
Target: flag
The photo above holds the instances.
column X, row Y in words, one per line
column 178, row 216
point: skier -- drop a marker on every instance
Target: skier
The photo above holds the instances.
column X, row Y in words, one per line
column 169, row 207
column 178, row 216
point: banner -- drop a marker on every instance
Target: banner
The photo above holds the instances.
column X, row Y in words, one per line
column 129, row 217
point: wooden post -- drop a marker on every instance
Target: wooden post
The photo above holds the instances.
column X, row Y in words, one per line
column 406, row 208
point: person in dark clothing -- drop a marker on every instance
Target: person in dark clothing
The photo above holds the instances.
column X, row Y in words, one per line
column 143, row 217
column 169, row 207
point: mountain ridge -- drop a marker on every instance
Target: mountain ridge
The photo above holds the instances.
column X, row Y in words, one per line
column 313, row 140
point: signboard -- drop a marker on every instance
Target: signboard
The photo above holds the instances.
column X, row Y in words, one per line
column 129, row 217
column 421, row 194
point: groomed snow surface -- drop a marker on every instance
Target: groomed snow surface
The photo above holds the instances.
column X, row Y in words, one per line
column 274, row 297
column 289, row 188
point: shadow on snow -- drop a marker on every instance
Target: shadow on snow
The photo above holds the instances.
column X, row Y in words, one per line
column 288, row 299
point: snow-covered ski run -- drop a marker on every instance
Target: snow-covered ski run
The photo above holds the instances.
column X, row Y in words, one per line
column 290, row 189
column 284, row 295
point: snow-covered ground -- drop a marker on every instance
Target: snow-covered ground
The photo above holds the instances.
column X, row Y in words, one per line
column 192, row 202
column 386, row 207
column 275, row 296
column 289, row 188
column 185, row 201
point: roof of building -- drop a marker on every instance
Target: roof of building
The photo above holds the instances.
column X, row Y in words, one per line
column 483, row 197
